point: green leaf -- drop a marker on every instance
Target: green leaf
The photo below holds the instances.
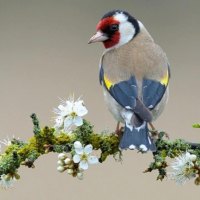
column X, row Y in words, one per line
column 196, row 125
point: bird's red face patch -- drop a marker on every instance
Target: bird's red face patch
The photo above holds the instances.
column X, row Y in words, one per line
column 104, row 23
column 104, row 26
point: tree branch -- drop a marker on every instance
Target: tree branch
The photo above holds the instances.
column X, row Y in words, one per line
column 47, row 140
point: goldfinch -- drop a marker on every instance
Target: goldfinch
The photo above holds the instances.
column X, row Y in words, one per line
column 134, row 73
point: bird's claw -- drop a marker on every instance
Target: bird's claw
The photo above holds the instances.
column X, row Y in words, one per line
column 119, row 131
column 155, row 134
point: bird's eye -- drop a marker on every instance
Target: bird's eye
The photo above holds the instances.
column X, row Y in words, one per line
column 114, row 27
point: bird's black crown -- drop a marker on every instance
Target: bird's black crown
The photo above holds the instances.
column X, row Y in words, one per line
column 131, row 19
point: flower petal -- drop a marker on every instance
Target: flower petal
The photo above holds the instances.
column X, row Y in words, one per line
column 69, row 106
column 58, row 122
column 93, row 160
column 66, row 109
column 193, row 157
column 79, row 108
column 83, row 165
column 77, row 145
column 78, row 121
column 68, row 122
column 88, row 149
column 6, row 182
column 79, row 151
column 76, row 158
column 80, row 175
column 61, row 107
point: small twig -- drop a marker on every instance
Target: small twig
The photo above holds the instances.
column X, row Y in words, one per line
column 36, row 125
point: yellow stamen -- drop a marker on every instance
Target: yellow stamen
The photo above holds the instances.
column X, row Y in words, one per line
column 84, row 157
column 73, row 114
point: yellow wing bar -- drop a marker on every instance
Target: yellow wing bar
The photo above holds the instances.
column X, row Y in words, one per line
column 165, row 79
column 107, row 82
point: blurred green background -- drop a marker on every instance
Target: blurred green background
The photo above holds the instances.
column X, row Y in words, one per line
column 44, row 55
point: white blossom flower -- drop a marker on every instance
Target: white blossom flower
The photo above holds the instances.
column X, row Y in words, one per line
column 70, row 113
column 6, row 181
column 83, row 155
column 6, row 142
column 183, row 168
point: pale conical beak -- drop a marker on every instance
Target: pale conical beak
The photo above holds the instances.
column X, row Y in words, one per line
column 98, row 37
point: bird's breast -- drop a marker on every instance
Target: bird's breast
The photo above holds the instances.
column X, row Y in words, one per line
column 141, row 60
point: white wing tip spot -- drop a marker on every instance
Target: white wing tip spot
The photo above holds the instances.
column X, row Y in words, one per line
column 132, row 147
column 143, row 148
column 151, row 106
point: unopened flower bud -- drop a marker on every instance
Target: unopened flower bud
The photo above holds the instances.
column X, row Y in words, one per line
column 80, row 175
column 197, row 181
column 70, row 171
column 193, row 157
column 62, row 156
column 60, row 169
column 60, row 162
column 67, row 161
column 71, row 166
column 158, row 164
column 77, row 145
column 160, row 177
column 17, row 176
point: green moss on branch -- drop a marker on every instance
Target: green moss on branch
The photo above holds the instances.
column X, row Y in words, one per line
column 48, row 140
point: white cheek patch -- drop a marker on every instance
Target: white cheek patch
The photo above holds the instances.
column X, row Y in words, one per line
column 127, row 31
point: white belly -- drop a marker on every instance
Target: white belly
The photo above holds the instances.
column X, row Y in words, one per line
column 113, row 106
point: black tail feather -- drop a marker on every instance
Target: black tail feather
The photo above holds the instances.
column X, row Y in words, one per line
column 137, row 138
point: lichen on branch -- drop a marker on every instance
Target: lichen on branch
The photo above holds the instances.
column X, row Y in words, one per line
column 47, row 140
column 76, row 148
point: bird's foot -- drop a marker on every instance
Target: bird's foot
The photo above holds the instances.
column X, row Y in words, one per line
column 154, row 132
column 119, row 130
